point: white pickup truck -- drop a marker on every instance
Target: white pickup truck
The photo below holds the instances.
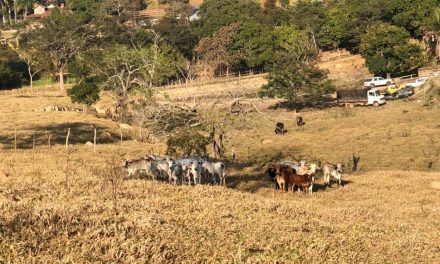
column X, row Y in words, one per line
column 377, row 81
column 418, row 82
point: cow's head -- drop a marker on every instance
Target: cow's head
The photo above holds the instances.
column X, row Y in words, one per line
column 339, row 166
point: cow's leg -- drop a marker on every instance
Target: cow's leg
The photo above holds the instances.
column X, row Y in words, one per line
column 175, row 179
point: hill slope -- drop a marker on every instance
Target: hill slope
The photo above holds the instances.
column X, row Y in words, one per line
column 387, row 212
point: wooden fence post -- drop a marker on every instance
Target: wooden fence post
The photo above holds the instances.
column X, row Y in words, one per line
column 94, row 142
column 67, row 138
column 15, row 138
column 50, row 136
column 120, row 130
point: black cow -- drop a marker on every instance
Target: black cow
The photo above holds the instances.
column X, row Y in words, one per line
column 271, row 173
column 279, row 129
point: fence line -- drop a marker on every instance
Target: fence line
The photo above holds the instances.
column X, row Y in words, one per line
column 33, row 139
column 218, row 79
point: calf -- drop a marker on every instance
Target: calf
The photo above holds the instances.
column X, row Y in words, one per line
column 280, row 177
column 293, row 179
column 309, row 171
column 332, row 170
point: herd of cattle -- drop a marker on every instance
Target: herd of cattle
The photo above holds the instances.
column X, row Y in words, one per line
column 286, row 175
column 196, row 170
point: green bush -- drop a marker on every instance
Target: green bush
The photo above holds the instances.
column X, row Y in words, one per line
column 187, row 142
column 13, row 71
column 296, row 81
column 85, row 93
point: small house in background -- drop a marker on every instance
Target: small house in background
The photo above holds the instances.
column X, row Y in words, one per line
column 39, row 9
column 41, row 12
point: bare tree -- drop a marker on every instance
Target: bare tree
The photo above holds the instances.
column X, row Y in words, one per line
column 34, row 60
column 213, row 51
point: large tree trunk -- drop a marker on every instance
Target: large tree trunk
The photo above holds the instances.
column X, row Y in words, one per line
column 61, row 83
column 4, row 14
column 10, row 15
column 15, row 11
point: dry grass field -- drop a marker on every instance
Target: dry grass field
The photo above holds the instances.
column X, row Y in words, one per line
column 58, row 206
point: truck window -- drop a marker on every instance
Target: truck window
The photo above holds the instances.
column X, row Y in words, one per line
column 377, row 93
column 380, row 78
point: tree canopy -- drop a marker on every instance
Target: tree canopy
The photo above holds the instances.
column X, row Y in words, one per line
column 387, row 50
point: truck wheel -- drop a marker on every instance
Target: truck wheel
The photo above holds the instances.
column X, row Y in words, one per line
column 375, row 104
column 388, row 83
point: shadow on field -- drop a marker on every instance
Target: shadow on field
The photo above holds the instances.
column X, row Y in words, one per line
column 322, row 104
column 80, row 133
column 254, row 180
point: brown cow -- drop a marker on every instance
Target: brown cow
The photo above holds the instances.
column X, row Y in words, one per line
column 281, row 177
column 293, row 179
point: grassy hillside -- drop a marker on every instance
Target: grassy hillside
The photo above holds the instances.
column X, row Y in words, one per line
column 56, row 207
column 345, row 69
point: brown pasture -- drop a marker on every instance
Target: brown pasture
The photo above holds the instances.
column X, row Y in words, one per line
column 58, row 206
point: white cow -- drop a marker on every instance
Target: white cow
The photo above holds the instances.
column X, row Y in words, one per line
column 213, row 169
column 332, row 170
column 134, row 166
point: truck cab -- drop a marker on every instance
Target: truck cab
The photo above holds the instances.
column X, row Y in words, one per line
column 375, row 98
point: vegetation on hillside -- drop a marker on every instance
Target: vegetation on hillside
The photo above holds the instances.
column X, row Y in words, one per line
column 89, row 39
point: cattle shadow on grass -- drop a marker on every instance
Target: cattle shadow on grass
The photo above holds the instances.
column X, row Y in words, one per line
column 80, row 133
column 256, row 179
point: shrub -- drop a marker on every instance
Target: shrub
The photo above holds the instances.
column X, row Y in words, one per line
column 187, row 142
column 85, row 93
column 13, row 71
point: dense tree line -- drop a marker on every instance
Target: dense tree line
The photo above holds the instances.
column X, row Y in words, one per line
column 96, row 41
